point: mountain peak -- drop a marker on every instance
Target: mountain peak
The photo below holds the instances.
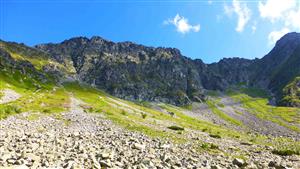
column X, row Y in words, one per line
column 292, row 37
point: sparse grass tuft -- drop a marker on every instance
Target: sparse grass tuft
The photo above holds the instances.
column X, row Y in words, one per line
column 207, row 146
column 6, row 110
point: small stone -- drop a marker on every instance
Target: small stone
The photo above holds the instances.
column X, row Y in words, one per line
column 165, row 146
column 21, row 167
column 76, row 134
column 34, row 146
column 105, row 163
column 193, row 159
column 294, row 158
column 239, row 162
column 5, row 157
column 251, row 166
column 95, row 162
column 11, row 161
column 272, row 164
column 105, row 155
column 139, row 146
column 215, row 167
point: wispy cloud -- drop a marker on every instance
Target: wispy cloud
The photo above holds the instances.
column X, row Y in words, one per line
column 242, row 11
column 182, row 25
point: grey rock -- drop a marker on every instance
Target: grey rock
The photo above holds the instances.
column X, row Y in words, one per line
column 239, row 162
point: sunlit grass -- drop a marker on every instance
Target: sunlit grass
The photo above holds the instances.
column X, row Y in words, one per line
column 259, row 106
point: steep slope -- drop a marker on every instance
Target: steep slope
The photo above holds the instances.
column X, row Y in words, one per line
column 280, row 66
column 132, row 71
column 274, row 62
column 232, row 70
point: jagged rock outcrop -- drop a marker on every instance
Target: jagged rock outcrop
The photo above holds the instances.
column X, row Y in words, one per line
column 132, row 71
column 137, row 72
column 232, row 70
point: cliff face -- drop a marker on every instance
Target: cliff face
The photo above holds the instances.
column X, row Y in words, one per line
column 137, row 72
column 132, row 71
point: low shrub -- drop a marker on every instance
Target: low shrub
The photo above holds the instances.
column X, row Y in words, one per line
column 124, row 113
column 215, row 135
column 47, row 111
column 176, row 128
column 144, row 115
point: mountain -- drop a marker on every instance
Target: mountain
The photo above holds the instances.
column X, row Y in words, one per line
column 132, row 71
column 58, row 107
column 136, row 72
column 279, row 67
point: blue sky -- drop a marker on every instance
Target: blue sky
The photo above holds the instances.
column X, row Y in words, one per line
column 205, row 29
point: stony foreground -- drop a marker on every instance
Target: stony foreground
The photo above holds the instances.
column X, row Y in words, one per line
column 81, row 140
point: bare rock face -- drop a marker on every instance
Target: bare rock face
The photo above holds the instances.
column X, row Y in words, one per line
column 132, row 71
column 136, row 72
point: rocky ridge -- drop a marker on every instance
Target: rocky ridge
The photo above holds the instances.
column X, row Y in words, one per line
column 136, row 72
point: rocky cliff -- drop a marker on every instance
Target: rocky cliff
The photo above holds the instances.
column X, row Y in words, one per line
column 137, row 72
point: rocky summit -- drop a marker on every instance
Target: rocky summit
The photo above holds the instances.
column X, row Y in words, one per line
column 137, row 72
column 93, row 103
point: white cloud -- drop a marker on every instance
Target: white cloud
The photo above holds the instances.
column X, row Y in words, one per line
column 242, row 11
column 275, row 9
column 276, row 35
column 209, row 2
column 293, row 19
column 182, row 25
column 286, row 12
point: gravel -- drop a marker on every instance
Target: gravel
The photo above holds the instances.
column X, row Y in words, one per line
column 92, row 141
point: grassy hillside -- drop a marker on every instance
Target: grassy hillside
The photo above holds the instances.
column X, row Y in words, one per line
column 169, row 122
